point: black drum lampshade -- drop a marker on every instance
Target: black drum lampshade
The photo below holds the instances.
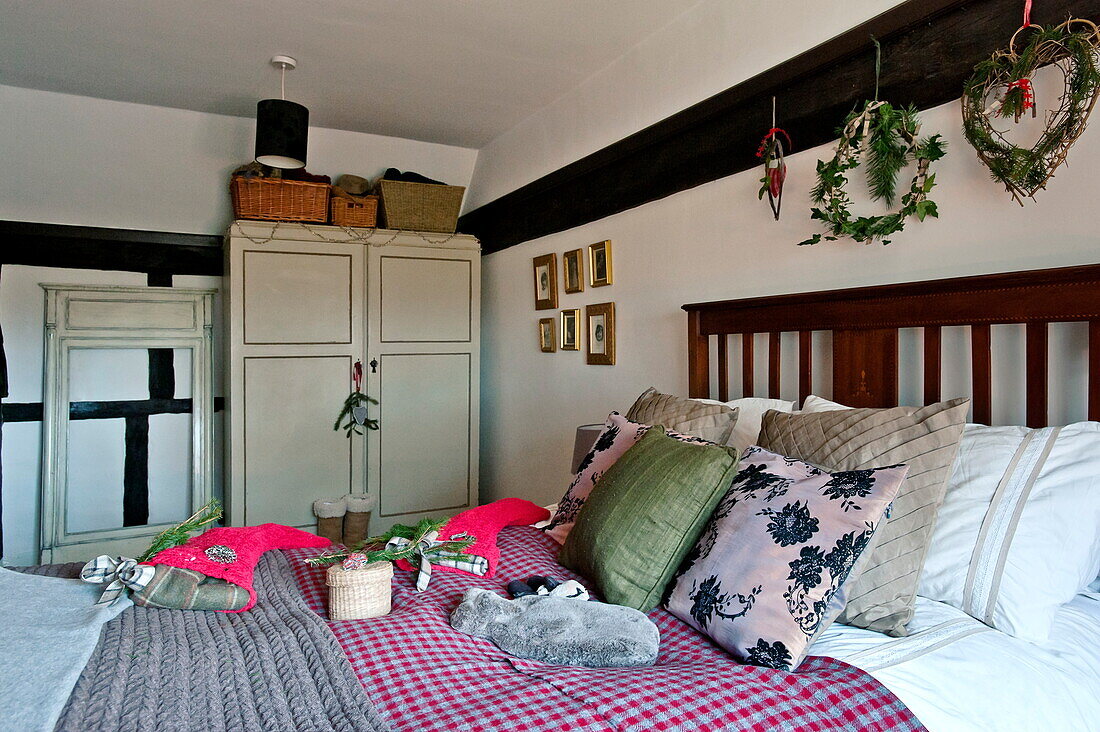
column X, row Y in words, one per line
column 281, row 130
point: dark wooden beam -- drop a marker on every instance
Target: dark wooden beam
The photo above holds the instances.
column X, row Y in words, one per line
column 32, row 411
column 127, row 250
column 930, row 47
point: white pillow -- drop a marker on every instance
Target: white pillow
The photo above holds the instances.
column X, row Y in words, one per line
column 750, row 414
column 1018, row 534
column 815, row 403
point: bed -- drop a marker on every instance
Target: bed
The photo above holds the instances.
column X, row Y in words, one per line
column 290, row 666
column 952, row 671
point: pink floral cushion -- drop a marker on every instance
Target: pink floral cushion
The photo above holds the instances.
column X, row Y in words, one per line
column 767, row 574
column 619, row 435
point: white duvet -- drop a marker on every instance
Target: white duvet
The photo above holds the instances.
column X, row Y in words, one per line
column 956, row 673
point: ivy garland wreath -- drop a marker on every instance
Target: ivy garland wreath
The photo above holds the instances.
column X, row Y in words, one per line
column 1001, row 87
column 890, row 137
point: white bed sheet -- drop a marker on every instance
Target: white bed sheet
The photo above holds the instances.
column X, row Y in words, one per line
column 958, row 675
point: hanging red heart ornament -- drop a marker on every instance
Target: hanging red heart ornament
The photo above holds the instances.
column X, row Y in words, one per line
column 772, row 152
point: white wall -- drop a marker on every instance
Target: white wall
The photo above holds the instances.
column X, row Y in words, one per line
column 93, row 162
column 706, row 49
column 718, row 241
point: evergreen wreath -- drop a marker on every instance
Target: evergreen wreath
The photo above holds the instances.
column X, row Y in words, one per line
column 890, row 137
column 1001, row 87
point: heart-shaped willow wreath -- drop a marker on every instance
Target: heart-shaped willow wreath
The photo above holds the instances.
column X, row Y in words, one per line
column 890, row 137
column 1001, row 87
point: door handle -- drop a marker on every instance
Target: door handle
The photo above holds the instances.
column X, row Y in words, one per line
column 374, row 366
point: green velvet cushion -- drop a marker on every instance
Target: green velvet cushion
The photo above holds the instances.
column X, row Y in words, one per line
column 645, row 514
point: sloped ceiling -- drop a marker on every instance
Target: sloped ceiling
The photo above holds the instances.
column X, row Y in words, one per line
column 451, row 71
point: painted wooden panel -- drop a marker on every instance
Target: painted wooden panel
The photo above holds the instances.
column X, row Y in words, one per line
column 292, row 297
column 425, row 299
column 425, row 437
column 291, row 453
column 114, row 313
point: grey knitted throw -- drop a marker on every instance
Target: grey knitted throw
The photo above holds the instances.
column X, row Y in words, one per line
column 276, row 667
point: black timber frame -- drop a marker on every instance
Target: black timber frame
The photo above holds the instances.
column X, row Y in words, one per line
column 929, row 49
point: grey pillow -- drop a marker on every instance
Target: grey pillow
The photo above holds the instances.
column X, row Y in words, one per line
column 882, row 591
column 713, row 422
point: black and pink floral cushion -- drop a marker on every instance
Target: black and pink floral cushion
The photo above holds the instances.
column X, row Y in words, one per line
column 619, row 435
column 767, row 574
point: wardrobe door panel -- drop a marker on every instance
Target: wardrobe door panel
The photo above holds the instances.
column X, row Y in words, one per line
column 296, row 298
column 291, row 453
column 425, row 299
column 425, row 436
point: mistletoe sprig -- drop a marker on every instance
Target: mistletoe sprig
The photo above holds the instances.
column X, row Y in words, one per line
column 355, row 411
column 375, row 550
column 890, row 138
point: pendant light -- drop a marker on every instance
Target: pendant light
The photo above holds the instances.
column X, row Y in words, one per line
column 281, row 126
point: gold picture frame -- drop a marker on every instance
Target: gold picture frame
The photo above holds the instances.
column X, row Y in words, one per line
column 571, row 329
column 546, row 282
column 600, row 322
column 547, row 344
column 572, row 267
column 599, row 264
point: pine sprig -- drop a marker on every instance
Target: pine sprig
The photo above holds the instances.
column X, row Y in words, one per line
column 415, row 534
column 181, row 532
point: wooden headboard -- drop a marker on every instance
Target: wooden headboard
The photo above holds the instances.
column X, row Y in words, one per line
column 865, row 321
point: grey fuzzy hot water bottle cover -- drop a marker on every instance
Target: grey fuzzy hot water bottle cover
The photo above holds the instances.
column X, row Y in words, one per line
column 560, row 630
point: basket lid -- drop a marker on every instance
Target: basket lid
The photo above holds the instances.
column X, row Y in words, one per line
column 337, row 576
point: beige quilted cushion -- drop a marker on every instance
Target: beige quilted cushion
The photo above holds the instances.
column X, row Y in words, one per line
column 712, row 422
column 926, row 439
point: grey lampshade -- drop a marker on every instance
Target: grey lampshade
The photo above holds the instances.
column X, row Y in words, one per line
column 585, row 439
column 281, row 131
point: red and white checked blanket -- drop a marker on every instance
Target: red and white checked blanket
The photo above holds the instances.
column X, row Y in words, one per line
column 425, row 676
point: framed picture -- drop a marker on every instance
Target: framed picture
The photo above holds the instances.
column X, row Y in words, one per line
column 570, row 327
column 601, row 333
column 547, row 344
column 573, row 267
column 546, row 282
column 599, row 263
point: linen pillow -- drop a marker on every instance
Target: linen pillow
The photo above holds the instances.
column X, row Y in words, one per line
column 713, row 422
column 750, row 412
column 619, row 435
column 1018, row 534
column 645, row 514
column 776, row 551
column 926, row 439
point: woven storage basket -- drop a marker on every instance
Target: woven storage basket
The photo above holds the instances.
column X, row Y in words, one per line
column 354, row 594
column 274, row 199
column 420, row 206
column 361, row 212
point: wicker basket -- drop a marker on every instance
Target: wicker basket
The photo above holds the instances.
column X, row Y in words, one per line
column 420, row 206
column 274, row 199
column 354, row 594
column 361, row 212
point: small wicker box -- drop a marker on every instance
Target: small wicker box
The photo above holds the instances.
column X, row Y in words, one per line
column 274, row 199
column 420, row 206
column 363, row 211
column 354, row 594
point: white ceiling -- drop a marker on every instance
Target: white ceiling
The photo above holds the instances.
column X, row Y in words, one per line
column 452, row 71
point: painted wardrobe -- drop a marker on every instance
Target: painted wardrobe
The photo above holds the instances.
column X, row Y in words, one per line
column 305, row 304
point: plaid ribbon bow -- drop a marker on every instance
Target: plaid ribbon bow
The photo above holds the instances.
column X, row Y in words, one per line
column 471, row 563
column 119, row 574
